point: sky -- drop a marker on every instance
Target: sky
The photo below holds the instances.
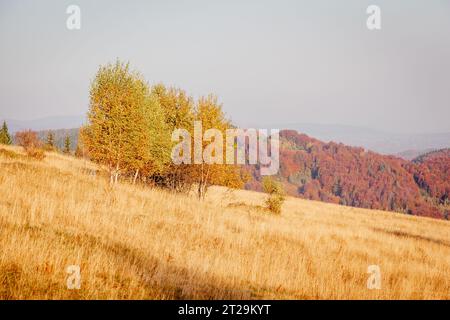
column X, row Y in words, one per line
column 267, row 61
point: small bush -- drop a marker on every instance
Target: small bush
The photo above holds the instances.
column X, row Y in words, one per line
column 274, row 203
column 28, row 139
column 30, row 142
column 276, row 195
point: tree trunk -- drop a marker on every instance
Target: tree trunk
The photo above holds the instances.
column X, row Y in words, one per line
column 203, row 183
column 111, row 178
column 116, row 174
column 205, row 180
column 135, row 176
column 199, row 191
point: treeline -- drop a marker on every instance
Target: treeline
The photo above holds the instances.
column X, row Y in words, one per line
column 130, row 126
column 64, row 140
column 431, row 172
column 60, row 139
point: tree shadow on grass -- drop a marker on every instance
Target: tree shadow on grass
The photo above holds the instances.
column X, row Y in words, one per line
column 403, row 234
column 161, row 278
column 172, row 281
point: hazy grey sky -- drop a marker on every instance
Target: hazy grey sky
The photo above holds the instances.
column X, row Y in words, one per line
column 268, row 61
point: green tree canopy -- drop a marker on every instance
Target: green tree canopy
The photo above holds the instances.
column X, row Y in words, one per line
column 5, row 138
column 50, row 139
column 67, row 145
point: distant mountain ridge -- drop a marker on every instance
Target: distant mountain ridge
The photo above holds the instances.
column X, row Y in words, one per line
column 412, row 154
column 371, row 139
column 431, row 155
column 48, row 123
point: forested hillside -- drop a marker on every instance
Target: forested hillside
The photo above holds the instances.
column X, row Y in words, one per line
column 431, row 172
column 356, row 177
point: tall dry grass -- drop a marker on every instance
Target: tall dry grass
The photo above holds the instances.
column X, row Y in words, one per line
column 132, row 242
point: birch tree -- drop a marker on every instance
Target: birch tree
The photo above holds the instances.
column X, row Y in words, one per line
column 126, row 127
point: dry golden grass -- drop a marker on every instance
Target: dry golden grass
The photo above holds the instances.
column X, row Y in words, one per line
column 136, row 243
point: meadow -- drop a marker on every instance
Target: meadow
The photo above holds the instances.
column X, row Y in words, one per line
column 135, row 242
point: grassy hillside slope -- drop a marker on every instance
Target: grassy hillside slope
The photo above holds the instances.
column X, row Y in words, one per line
column 132, row 242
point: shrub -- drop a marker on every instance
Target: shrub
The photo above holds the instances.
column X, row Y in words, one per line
column 276, row 195
column 28, row 139
column 274, row 203
column 30, row 142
